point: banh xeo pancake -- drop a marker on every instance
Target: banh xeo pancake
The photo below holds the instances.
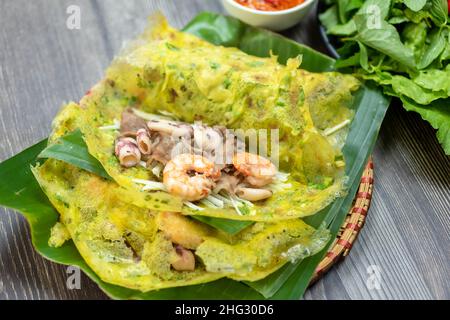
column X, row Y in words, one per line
column 141, row 249
column 176, row 75
column 69, row 119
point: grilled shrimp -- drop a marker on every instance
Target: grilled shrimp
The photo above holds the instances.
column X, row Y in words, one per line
column 258, row 171
column 190, row 177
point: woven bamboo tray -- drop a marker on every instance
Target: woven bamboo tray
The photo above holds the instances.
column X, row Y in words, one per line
column 352, row 226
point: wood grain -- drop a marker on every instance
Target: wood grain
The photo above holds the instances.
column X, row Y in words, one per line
column 42, row 64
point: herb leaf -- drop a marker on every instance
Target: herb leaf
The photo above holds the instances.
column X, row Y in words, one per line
column 403, row 46
column 72, row 149
column 434, row 50
column 231, row 227
column 384, row 39
column 415, row 5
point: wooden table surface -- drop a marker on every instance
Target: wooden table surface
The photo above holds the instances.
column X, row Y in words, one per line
column 43, row 63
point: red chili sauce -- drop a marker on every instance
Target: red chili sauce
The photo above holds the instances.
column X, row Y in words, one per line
column 270, row 5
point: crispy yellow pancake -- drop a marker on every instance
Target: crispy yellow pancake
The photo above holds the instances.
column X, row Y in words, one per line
column 168, row 71
column 132, row 246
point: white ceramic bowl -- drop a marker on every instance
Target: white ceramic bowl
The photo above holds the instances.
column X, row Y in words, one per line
column 273, row 20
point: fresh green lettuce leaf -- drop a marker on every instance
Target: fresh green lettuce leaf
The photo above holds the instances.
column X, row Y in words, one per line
column 434, row 49
column 407, row 87
column 437, row 114
column 435, row 79
column 414, row 36
column 439, row 12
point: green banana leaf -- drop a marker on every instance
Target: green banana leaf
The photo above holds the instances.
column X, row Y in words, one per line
column 371, row 109
column 23, row 193
column 229, row 226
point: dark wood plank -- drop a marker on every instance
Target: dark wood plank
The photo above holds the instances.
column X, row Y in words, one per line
column 42, row 64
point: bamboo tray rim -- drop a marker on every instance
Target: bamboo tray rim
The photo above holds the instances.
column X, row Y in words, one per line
column 352, row 225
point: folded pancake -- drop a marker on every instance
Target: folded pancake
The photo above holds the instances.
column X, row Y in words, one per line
column 69, row 119
column 146, row 250
column 171, row 73
column 117, row 240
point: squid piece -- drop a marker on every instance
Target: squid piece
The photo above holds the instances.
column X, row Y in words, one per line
column 171, row 128
column 143, row 142
column 207, row 139
column 127, row 152
column 253, row 195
